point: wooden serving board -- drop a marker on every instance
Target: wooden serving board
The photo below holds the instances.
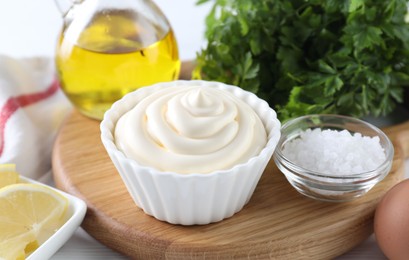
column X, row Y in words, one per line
column 278, row 222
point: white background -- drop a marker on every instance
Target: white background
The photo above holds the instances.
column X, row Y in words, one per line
column 30, row 28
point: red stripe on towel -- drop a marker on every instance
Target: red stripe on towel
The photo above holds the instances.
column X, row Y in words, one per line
column 14, row 103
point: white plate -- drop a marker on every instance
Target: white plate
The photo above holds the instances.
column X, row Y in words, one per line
column 74, row 216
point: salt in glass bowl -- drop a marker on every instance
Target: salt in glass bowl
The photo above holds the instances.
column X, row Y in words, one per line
column 326, row 186
column 193, row 198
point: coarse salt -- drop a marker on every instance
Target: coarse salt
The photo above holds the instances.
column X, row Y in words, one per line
column 335, row 153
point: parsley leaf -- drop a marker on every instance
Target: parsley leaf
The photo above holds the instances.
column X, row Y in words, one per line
column 318, row 56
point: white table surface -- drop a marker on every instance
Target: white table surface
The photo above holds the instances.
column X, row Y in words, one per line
column 30, row 28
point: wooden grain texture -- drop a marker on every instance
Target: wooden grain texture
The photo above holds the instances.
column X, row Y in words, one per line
column 277, row 223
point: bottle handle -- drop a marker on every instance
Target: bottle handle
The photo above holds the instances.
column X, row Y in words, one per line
column 64, row 6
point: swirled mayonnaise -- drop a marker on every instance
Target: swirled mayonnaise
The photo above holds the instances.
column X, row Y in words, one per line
column 190, row 129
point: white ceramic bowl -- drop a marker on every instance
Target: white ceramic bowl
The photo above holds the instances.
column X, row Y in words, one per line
column 193, row 198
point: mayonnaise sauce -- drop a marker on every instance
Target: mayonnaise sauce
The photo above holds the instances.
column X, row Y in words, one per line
column 190, row 129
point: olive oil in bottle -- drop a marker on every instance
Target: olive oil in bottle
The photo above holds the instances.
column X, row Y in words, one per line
column 116, row 52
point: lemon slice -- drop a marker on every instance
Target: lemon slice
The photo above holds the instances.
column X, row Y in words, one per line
column 29, row 214
column 8, row 175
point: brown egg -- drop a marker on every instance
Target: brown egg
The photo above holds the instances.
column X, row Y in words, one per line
column 392, row 222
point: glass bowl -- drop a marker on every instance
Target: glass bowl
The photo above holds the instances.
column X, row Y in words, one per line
column 324, row 185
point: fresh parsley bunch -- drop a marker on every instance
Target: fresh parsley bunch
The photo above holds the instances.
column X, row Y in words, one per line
column 311, row 56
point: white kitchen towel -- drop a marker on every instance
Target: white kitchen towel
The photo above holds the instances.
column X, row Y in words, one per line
column 32, row 108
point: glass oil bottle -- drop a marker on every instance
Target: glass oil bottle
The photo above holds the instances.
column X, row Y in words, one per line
column 109, row 48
